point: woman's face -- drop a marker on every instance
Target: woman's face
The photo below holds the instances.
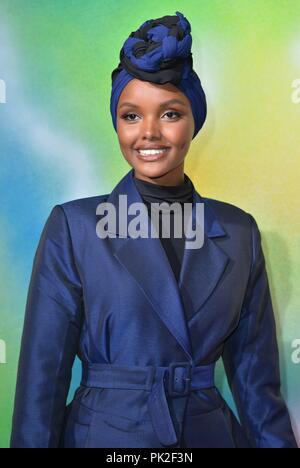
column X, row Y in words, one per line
column 146, row 119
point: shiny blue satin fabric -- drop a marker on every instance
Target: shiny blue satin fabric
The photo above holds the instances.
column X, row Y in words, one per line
column 116, row 304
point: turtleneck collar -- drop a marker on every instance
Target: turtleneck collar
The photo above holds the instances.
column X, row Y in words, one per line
column 151, row 192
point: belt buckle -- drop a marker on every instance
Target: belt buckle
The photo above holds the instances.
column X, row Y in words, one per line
column 186, row 379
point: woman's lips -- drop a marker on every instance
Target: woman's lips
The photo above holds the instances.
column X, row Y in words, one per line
column 153, row 157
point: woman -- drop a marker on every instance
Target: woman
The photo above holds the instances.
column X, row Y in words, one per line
column 147, row 316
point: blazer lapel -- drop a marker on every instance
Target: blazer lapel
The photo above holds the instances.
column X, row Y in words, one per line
column 146, row 261
column 202, row 268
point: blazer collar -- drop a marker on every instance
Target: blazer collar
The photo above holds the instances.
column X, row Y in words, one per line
column 146, row 261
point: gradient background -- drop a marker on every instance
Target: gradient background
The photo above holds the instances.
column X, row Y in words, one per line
column 57, row 142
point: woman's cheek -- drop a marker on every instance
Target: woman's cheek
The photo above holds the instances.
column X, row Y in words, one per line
column 130, row 132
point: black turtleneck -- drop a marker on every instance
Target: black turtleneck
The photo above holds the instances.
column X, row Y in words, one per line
column 183, row 193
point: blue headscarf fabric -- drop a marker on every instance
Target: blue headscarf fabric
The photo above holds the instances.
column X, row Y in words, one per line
column 160, row 52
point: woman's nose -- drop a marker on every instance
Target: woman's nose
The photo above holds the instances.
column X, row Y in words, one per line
column 151, row 128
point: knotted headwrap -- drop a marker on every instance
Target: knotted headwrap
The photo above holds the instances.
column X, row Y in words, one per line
column 160, row 52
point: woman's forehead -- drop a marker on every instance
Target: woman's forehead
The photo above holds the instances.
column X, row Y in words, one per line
column 138, row 91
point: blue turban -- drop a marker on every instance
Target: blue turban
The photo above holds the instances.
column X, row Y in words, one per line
column 160, row 52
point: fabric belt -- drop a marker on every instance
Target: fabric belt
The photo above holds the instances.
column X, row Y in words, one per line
column 176, row 380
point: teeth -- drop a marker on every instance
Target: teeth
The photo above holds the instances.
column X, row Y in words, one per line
column 151, row 151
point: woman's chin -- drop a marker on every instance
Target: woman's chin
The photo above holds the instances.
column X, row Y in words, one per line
column 152, row 170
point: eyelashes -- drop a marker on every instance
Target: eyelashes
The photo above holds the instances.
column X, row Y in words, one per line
column 124, row 116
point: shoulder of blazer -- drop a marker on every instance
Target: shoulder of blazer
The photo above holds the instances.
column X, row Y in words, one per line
column 228, row 213
column 82, row 206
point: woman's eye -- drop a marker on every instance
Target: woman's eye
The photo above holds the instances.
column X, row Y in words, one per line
column 128, row 115
column 177, row 114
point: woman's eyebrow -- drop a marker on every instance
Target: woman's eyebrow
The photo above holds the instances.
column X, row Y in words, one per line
column 163, row 104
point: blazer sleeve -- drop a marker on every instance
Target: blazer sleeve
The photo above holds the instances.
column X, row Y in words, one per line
column 50, row 339
column 251, row 362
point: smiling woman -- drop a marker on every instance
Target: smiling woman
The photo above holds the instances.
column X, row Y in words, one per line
column 157, row 103
column 155, row 128
column 149, row 317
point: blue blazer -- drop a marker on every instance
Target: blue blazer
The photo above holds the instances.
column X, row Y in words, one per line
column 148, row 344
